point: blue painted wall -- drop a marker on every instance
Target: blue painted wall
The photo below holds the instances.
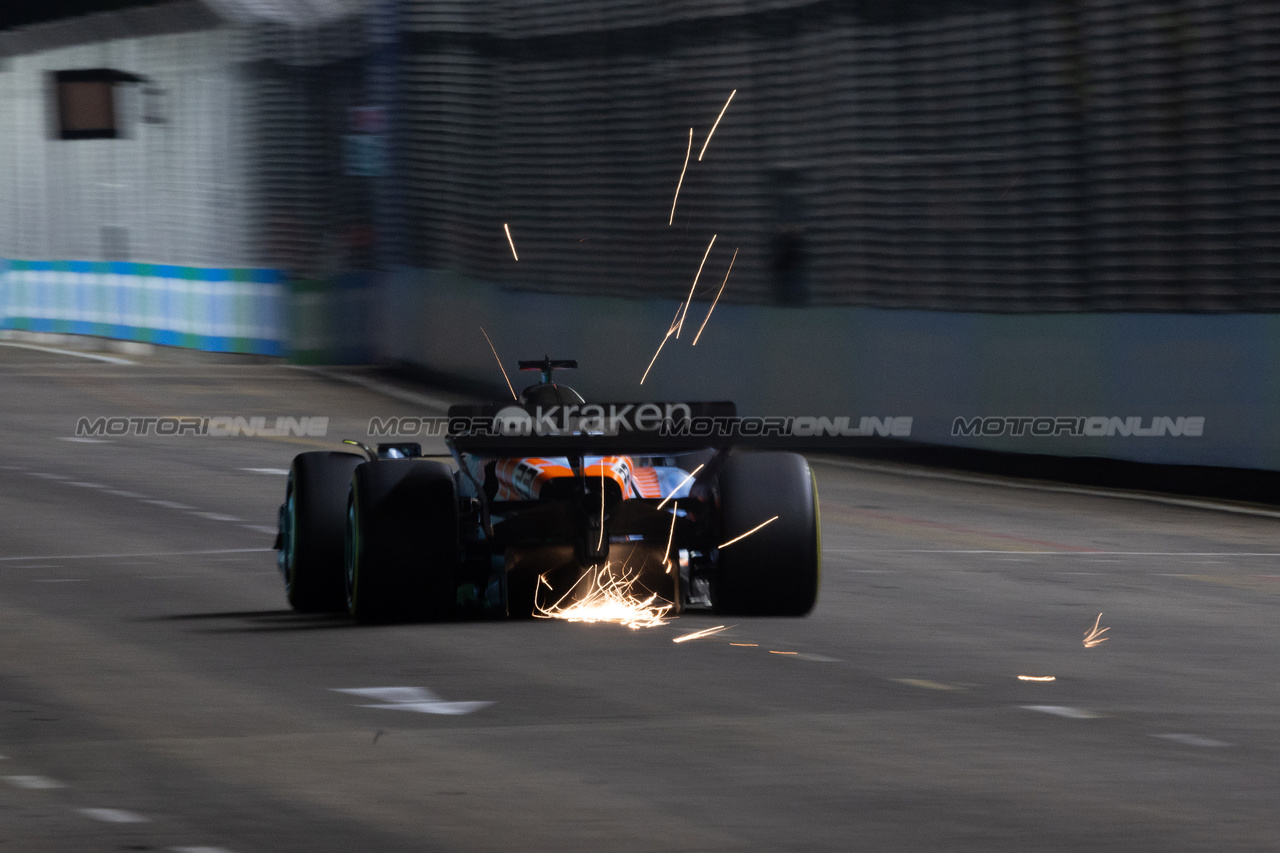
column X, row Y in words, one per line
column 213, row 309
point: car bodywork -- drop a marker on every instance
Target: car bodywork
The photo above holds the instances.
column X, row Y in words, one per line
column 536, row 509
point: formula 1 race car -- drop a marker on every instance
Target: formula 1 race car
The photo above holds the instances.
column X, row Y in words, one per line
column 540, row 493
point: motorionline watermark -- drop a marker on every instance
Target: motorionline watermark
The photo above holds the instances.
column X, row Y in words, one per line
column 253, row 426
column 675, row 419
column 1096, row 426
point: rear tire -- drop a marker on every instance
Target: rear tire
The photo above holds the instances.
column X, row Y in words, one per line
column 401, row 549
column 312, row 519
column 775, row 571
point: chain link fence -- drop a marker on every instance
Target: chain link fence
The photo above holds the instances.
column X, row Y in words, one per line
column 1048, row 155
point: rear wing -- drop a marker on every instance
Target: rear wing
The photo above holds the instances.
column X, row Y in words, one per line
column 593, row 428
column 654, row 428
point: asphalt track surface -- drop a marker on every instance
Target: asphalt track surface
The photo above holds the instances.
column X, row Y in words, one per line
column 156, row 694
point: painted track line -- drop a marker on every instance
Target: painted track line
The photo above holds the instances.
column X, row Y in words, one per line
column 214, row 516
column 33, row 783
column 211, row 516
column 113, row 815
column 1058, row 553
column 109, row 359
column 1064, row 711
column 167, row 504
column 1193, row 740
column 146, row 554
column 261, row 528
column 903, row 471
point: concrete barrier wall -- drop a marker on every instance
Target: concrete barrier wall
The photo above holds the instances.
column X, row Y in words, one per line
column 219, row 310
column 1099, row 370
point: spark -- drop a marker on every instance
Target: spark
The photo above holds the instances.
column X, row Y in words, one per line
column 600, row 544
column 671, row 535
column 744, row 644
column 717, row 124
column 698, row 635
column 680, row 183
column 749, row 532
column 500, row 367
column 772, row 652
column 1093, row 637
column 717, row 299
column 693, row 286
column 692, row 474
column 507, row 228
column 670, row 330
column 602, row 596
column 1037, row 678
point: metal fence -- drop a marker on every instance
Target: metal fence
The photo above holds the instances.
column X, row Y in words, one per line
column 1048, row 155
column 990, row 155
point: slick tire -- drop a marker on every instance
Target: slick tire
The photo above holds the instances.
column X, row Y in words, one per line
column 311, row 525
column 777, row 570
column 401, row 549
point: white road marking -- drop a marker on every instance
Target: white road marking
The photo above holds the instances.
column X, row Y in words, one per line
column 82, row 440
column 1058, row 553
column 113, row 815
column 168, row 504
column 215, row 516
column 418, row 699
column 260, row 528
column 1193, row 740
column 109, row 359
column 266, row 470
column 434, row 707
column 1064, row 711
column 148, row 554
column 33, row 783
column 1041, row 487
column 926, row 684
